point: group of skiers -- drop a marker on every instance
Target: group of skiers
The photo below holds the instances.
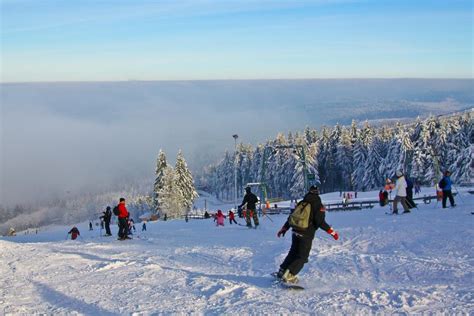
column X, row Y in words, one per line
column 219, row 218
column 403, row 189
column 305, row 218
column 125, row 224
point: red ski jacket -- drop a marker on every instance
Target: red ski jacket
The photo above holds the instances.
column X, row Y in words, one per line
column 123, row 213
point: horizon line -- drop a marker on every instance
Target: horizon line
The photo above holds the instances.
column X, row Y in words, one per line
column 243, row 79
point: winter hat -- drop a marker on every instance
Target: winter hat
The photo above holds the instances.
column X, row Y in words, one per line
column 108, row 208
column 248, row 189
column 399, row 173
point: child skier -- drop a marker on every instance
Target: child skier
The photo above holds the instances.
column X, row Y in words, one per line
column 74, row 232
column 220, row 218
column 302, row 240
column 232, row 217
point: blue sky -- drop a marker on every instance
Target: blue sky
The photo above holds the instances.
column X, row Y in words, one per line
column 97, row 40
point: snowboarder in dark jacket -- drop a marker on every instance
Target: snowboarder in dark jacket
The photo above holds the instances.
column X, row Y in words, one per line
column 106, row 217
column 251, row 200
column 446, row 185
column 301, row 241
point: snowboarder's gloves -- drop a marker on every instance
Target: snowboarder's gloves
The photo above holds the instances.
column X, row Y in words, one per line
column 333, row 233
column 282, row 231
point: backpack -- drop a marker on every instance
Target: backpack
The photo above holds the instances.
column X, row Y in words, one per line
column 116, row 211
column 442, row 183
column 300, row 218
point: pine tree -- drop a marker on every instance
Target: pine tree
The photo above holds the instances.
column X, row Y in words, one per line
column 170, row 197
column 372, row 178
column 360, row 154
column 185, row 182
column 161, row 165
column 344, row 159
column 298, row 180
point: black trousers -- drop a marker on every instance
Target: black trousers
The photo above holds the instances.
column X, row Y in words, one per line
column 298, row 255
column 123, row 228
column 232, row 220
column 448, row 194
column 107, row 228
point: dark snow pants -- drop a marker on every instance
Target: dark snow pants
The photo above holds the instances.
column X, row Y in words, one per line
column 123, row 228
column 107, row 228
column 298, row 255
column 448, row 194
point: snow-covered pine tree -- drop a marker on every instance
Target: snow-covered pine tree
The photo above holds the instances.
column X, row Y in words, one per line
column 372, row 178
column 311, row 135
column 461, row 155
column 327, row 169
column 161, row 165
column 184, row 182
column 344, row 159
column 298, row 189
column 244, row 164
column 170, row 197
column 360, row 155
column 428, row 143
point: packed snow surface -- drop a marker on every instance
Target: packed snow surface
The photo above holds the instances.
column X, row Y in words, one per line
column 412, row 263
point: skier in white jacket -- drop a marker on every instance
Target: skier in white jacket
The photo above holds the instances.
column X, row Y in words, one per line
column 400, row 193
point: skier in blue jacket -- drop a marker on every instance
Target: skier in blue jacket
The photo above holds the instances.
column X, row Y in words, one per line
column 446, row 184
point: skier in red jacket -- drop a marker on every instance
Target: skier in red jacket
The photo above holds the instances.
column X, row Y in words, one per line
column 123, row 220
column 231, row 217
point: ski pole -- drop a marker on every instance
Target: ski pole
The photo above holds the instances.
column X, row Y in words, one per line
column 267, row 217
column 459, row 194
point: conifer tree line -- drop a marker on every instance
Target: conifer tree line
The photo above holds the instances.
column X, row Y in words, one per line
column 173, row 190
column 358, row 157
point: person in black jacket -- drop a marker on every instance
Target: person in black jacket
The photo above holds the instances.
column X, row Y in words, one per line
column 301, row 241
column 106, row 218
column 251, row 200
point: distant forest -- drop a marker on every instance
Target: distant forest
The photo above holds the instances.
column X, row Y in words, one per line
column 358, row 157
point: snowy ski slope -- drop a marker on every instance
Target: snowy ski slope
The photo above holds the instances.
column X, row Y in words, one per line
column 420, row 262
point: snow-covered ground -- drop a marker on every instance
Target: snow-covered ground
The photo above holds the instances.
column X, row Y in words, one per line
column 420, row 262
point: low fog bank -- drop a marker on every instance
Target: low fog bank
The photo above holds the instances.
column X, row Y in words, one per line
column 74, row 208
column 61, row 139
